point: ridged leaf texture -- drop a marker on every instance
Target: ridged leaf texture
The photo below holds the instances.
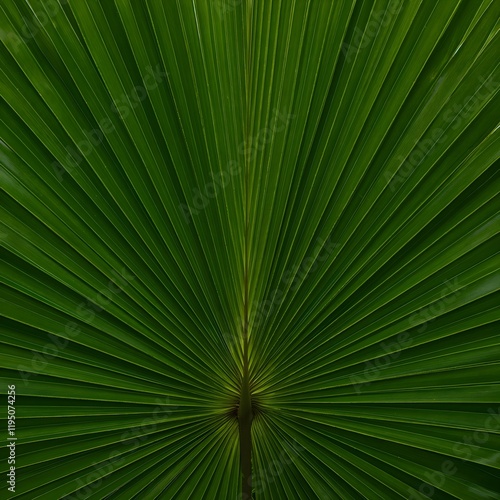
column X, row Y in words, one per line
column 305, row 188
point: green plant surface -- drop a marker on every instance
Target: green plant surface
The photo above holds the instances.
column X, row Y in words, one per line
column 251, row 237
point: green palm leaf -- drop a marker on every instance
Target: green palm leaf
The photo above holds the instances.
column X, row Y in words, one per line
column 250, row 237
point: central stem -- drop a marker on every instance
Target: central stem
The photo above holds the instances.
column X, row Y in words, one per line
column 245, row 413
column 245, row 416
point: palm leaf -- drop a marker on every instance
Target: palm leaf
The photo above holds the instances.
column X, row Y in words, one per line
column 251, row 236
